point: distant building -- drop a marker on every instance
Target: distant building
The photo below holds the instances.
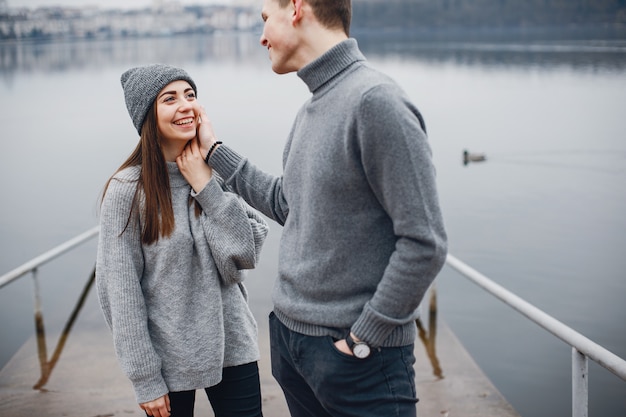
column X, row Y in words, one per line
column 162, row 18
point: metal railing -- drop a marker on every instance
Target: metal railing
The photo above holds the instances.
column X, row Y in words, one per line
column 35, row 263
column 47, row 364
column 582, row 347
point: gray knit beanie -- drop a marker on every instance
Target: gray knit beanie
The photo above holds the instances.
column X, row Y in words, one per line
column 142, row 84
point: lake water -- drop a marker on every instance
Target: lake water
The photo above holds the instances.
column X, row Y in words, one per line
column 544, row 216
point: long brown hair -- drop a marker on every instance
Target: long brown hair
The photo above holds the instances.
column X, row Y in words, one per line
column 153, row 181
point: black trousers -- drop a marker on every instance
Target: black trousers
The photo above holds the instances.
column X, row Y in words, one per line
column 237, row 395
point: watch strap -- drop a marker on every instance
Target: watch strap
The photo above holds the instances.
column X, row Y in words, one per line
column 350, row 341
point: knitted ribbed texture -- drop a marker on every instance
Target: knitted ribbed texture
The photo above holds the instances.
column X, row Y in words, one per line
column 142, row 84
column 177, row 308
column 363, row 234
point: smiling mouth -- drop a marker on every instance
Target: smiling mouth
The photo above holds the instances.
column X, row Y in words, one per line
column 184, row 122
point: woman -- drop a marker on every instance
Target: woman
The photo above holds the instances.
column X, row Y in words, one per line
column 172, row 249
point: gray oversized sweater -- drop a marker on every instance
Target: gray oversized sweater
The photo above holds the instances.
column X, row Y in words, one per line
column 177, row 308
column 363, row 234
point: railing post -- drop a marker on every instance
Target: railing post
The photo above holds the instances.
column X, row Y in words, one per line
column 580, row 384
column 40, row 332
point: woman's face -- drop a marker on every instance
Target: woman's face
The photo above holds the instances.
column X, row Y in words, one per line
column 176, row 113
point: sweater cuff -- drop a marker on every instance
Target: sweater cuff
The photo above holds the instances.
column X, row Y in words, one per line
column 209, row 195
column 225, row 161
column 379, row 330
column 149, row 389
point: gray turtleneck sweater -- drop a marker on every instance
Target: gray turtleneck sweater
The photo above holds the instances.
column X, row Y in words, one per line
column 177, row 308
column 363, row 234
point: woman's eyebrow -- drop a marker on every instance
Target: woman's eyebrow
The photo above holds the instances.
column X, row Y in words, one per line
column 167, row 92
column 173, row 92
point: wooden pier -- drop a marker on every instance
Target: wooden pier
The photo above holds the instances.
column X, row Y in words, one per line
column 81, row 377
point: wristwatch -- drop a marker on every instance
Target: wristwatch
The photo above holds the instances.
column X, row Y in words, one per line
column 359, row 349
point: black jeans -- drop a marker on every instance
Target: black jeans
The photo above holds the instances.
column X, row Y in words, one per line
column 237, row 395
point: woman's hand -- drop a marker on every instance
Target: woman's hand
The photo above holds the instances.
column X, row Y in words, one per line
column 192, row 166
column 206, row 136
column 157, row 408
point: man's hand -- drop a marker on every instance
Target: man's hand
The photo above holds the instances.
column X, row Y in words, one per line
column 342, row 345
column 206, row 136
column 157, row 408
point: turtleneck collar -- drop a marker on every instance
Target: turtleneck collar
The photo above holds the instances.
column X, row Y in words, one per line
column 331, row 63
column 176, row 177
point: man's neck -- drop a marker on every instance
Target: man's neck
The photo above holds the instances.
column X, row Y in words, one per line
column 318, row 40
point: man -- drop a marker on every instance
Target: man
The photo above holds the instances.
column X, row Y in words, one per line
column 363, row 235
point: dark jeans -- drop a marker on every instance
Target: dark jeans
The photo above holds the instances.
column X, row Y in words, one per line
column 237, row 395
column 320, row 381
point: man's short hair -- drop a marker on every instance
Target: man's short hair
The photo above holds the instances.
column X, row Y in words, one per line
column 333, row 14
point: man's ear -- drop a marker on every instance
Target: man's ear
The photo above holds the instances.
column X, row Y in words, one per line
column 297, row 10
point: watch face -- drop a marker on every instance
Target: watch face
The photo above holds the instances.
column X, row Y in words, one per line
column 361, row 350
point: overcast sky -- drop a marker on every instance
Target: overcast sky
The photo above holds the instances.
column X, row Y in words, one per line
column 104, row 4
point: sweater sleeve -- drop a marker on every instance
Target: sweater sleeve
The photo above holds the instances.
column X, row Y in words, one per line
column 397, row 162
column 261, row 190
column 235, row 232
column 119, row 269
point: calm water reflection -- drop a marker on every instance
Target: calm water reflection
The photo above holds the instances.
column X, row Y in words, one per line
column 543, row 215
column 580, row 55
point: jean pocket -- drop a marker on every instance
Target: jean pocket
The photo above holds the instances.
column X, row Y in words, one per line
column 346, row 356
